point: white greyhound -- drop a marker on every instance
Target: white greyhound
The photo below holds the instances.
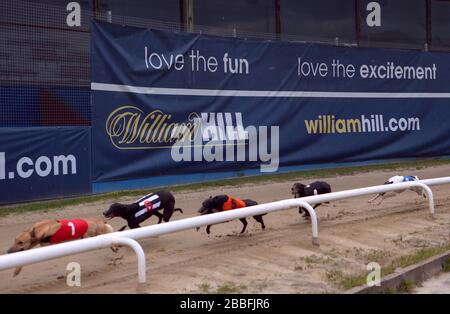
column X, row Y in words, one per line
column 399, row 179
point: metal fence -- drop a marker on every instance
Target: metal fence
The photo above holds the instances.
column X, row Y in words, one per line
column 45, row 64
column 44, row 68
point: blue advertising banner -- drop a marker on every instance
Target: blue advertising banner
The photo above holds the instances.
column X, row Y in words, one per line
column 40, row 163
column 172, row 103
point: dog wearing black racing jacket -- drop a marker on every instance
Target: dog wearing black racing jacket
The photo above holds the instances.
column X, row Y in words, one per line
column 145, row 207
column 314, row 188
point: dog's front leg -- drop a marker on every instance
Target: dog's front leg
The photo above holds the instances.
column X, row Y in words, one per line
column 208, row 227
column 244, row 222
column 387, row 195
column 17, row 271
column 115, row 248
column 374, row 198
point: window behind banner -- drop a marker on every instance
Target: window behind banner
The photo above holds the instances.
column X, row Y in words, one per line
column 318, row 21
column 440, row 27
column 162, row 10
column 44, row 64
column 236, row 18
column 402, row 24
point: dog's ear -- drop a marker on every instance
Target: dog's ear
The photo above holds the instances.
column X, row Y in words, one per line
column 43, row 230
column 38, row 233
column 114, row 206
column 217, row 200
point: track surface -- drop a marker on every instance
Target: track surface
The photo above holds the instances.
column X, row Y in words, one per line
column 280, row 259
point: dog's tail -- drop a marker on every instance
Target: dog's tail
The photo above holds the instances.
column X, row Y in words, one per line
column 178, row 210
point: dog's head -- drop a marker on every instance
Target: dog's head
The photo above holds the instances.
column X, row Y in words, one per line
column 22, row 242
column 416, row 178
column 30, row 238
column 115, row 210
column 298, row 190
column 207, row 206
column 213, row 204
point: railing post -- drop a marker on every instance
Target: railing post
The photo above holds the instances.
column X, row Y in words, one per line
column 137, row 248
column 429, row 195
column 314, row 226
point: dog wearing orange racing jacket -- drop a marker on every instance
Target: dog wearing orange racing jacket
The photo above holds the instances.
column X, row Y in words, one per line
column 221, row 203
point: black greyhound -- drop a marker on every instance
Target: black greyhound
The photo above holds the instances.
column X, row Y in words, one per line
column 226, row 202
column 315, row 188
column 144, row 208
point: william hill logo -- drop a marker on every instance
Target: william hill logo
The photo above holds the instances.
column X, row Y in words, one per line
column 208, row 136
column 129, row 127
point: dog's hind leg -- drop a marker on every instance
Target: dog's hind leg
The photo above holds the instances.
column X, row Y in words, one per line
column 168, row 211
column 123, row 228
column 160, row 217
column 423, row 193
column 260, row 220
column 381, row 200
column 245, row 223
column 208, row 229
column 419, row 191
column 178, row 210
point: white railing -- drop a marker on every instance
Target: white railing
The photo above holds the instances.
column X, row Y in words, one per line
column 126, row 237
column 436, row 181
column 322, row 198
column 74, row 247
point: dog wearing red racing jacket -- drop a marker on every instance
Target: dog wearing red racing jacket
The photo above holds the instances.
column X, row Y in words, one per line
column 54, row 231
column 227, row 202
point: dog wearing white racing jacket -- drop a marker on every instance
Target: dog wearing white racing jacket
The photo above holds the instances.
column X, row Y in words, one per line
column 398, row 179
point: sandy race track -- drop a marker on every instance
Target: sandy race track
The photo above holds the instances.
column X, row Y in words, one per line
column 280, row 259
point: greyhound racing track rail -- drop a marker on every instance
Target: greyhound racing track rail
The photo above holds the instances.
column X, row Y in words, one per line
column 129, row 237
